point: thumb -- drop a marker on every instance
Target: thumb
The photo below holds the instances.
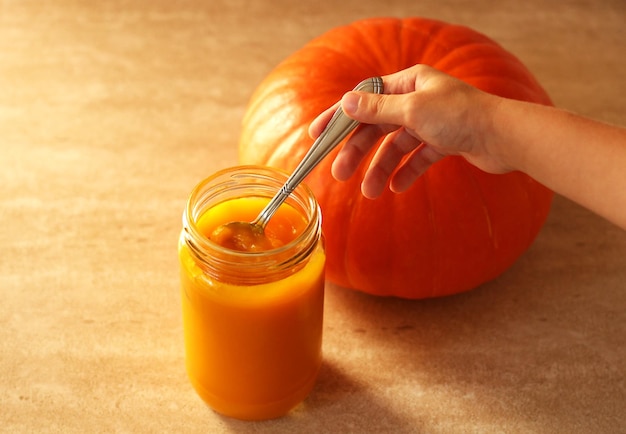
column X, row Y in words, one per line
column 371, row 108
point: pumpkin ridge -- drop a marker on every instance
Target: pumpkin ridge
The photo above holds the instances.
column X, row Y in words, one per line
column 406, row 229
column 381, row 55
column 346, row 240
column 463, row 55
column 436, row 46
column 283, row 155
column 435, row 252
column 355, row 62
column 533, row 229
column 354, row 233
column 489, row 221
column 528, row 205
column 348, row 243
column 430, row 33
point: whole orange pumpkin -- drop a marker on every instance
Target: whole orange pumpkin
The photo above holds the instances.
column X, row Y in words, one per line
column 456, row 227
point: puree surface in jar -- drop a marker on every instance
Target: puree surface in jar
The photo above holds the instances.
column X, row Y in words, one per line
column 253, row 351
column 245, row 236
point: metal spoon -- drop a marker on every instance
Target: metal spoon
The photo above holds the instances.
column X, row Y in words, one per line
column 250, row 236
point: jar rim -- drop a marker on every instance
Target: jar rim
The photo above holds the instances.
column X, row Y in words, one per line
column 231, row 183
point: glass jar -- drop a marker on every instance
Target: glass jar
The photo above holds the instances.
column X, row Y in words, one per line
column 252, row 320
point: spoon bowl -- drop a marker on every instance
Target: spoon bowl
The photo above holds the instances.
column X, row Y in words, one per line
column 250, row 236
column 243, row 236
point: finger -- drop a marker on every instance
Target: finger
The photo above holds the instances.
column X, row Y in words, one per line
column 393, row 149
column 374, row 183
column 319, row 123
column 356, row 148
column 408, row 80
column 378, row 109
column 388, row 157
column 413, row 167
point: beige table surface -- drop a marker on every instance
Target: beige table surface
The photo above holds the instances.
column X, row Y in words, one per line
column 111, row 111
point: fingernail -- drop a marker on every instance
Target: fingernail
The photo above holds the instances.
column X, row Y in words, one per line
column 350, row 102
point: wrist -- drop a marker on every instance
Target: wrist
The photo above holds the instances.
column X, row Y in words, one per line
column 494, row 134
column 485, row 144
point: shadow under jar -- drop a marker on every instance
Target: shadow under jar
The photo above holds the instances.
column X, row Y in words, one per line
column 252, row 320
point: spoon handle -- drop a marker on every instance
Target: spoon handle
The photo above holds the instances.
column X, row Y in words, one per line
column 337, row 129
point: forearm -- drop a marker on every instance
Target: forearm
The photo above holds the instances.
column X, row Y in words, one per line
column 579, row 158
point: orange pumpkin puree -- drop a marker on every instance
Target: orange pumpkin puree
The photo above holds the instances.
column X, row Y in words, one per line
column 253, row 351
column 281, row 229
